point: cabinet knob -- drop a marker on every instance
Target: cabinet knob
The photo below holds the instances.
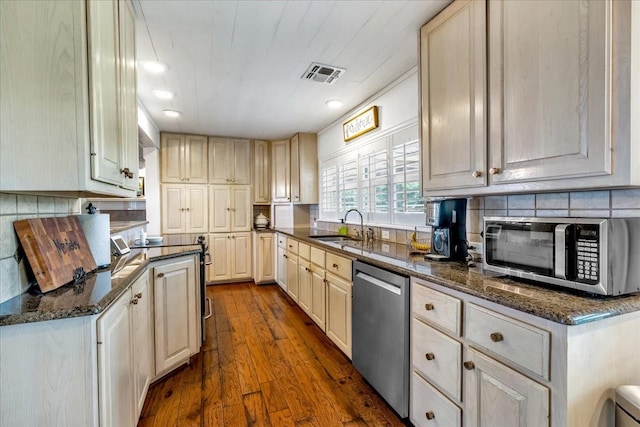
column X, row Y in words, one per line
column 138, row 295
column 430, row 356
column 335, row 266
column 428, row 306
column 160, row 275
column 134, row 301
column 496, row 337
column 228, row 237
column 469, row 365
column 188, row 209
column 285, row 255
column 494, row 171
column 126, row 172
column 188, row 179
column 476, row 174
column 430, row 415
column 306, row 269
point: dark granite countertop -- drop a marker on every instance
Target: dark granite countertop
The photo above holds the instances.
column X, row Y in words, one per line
column 556, row 304
column 120, row 226
column 94, row 295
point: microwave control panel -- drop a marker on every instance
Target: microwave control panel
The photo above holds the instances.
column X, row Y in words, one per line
column 587, row 253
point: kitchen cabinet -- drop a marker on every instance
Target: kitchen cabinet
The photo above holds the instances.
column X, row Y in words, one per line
column 183, row 159
column 229, row 208
column 304, row 168
column 232, row 258
column 293, row 285
column 263, row 258
column 229, row 161
column 184, row 208
column 305, row 277
column 339, row 293
column 142, row 331
column 558, row 111
column 280, row 171
column 281, row 261
column 82, row 102
column 453, row 92
column 176, row 312
column 261, row 172
column 318, row 288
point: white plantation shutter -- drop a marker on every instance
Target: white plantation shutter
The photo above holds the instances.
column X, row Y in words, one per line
column 408, row 205
column 347, row 184
column 329, row 189
column 374, row 183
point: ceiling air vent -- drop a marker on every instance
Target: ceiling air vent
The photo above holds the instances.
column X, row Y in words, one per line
column 327, row 74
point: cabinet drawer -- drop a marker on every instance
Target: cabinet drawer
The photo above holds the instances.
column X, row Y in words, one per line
column 339, row 266
column 429, row 408
column 518, row 342
column 435, row 307
column 292, row 246
column 437, row 357
column 304, row 251
column 282, row 241
column 317, row 256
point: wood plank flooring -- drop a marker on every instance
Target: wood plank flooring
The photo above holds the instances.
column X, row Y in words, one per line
column 264, row 363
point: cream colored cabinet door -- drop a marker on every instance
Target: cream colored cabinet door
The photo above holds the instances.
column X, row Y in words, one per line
column 453, row 86
column 318, row 297
column 219, row 208
column 304, row 168
column 116, row 397
column 339, row 293
column 241, row 162
column 195, row 159
column 241, row 259
column 280, row 172
column 220, row 268
column 128, row 99
column 499, row 396
column 281, row 267
column 172, row 209
column 229, row 161
column 143, row 339
column 549, row 96
column 219, row 160
column 240, row 208
column 171, row 158
column 197, row 209
column 176, row 314
column 261, row 173
column 293, row 285
column 264, row 261
column 104, row 54
column 294, row 153
column 304, row 285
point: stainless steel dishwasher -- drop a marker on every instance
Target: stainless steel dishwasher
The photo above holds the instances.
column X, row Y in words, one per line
column 380, row 327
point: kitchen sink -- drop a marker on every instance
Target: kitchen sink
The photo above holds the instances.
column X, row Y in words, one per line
column 334, row 238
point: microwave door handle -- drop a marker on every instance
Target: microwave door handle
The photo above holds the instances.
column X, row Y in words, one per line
column 560, row 250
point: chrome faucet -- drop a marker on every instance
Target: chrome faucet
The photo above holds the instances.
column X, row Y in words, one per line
column 361, row 221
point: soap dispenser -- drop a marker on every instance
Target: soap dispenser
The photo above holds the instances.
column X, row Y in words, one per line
column 343, row 228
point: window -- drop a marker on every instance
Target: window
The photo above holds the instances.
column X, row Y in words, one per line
column 374, row 184
column 408, row 206
column 348, row 185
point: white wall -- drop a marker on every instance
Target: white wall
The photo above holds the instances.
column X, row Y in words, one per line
column 152, row 189
column 397, row 104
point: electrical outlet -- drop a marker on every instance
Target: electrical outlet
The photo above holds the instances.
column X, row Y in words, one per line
column 385, row 247
column 385, row 235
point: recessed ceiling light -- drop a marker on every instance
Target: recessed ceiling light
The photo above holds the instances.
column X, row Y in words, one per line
column 172, row 113
column 334, row 103
column 154, row 66
column 163, row 94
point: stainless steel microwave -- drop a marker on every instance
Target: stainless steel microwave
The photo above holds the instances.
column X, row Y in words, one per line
column 601, row 256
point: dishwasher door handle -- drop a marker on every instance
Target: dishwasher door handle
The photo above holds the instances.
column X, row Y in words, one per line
column 380, row 283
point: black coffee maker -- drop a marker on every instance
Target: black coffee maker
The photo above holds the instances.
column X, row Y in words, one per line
column 448, row 219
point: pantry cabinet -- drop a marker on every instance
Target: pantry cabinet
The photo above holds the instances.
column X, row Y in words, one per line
column 184, row 208
column 263, row 258
column 551, row 112
column 229, row 208
column 177, row 314
column 229, row 161
column 232, row 257
column 183, row 159
column 68, row 78
column 280, row 171
column 261, row 172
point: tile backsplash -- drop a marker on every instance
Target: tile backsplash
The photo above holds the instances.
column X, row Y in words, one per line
column 13, row 207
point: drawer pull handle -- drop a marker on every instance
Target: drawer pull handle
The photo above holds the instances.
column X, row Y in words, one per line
column 428, row 307
column 430, row 356
column 497, row 337
column 469, row 365
column 430, row 415
column 335, row 266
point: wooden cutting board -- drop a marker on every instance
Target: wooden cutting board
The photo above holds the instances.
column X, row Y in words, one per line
column 55, row 248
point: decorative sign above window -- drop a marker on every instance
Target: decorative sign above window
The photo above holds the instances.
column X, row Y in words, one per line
column 360, row 124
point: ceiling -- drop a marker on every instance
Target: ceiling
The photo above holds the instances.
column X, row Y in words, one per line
column 235, row 66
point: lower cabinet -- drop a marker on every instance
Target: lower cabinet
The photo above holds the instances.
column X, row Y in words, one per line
column 143, row 338
column 318, row 297
column 281, row 268
column 263, row 258
column 304, row 285
column 177, row 314
column 339, row 293
column 292, row 275
column 231, row 256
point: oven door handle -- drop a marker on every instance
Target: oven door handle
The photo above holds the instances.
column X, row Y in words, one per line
column 560, row 251
column 210, row 309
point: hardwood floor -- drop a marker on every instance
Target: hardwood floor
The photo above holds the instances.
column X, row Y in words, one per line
column 264, row 363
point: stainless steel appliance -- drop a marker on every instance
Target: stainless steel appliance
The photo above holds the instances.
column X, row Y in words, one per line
column 600, row 256
column 380, row 326
column 448, row 219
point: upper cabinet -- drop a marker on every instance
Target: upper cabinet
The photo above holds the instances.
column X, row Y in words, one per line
column 67, row 78
column 229, row 161
column 183, row 159
column 261, row 172
column 281, row 171
column 453, row 82
column 304, row 168
column 559, row 112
